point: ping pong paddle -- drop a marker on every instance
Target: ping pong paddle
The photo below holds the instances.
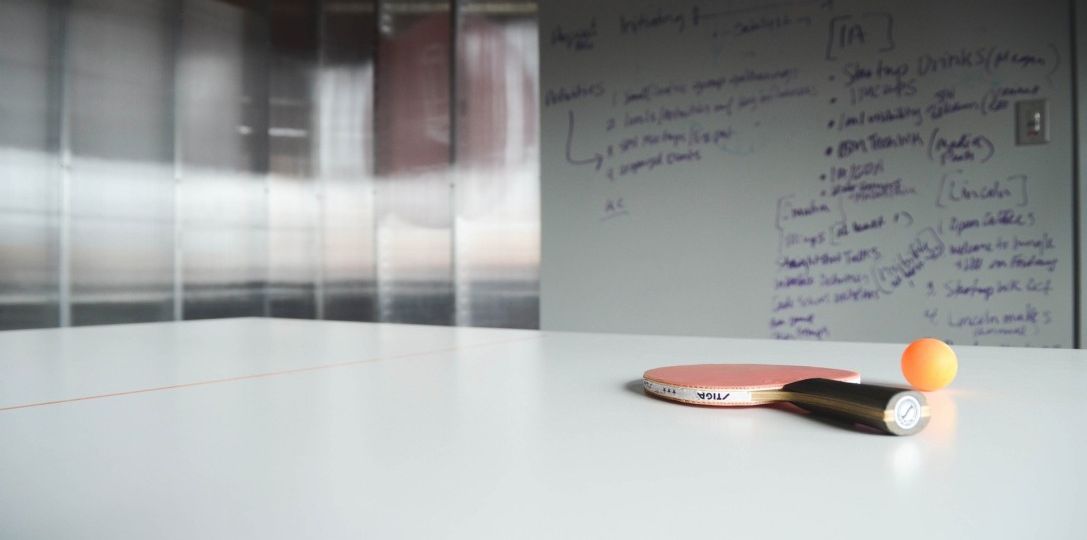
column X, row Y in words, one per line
column 835, row 393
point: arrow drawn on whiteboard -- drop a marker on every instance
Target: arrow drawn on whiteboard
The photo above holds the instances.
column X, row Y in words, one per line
column 598, row 159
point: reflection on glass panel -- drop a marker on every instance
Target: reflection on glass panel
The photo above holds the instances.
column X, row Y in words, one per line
column 345, row 159
column 120, row 80
column 414, row 218
column 29, row 176
column 293, row 243
column 497, row 185
column 221, row 196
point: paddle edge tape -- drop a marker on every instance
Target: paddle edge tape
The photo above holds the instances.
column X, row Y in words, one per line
column 699, row 396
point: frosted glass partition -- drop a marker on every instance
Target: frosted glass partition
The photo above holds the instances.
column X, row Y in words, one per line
column 345, row 161
column 497, row 188
column 222, row 129
column 293, row 248
column 340, row 159
column 29, row 170
column 121, row 180
column 414, row 217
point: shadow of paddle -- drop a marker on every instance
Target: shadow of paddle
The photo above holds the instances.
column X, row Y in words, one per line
column 636, row 387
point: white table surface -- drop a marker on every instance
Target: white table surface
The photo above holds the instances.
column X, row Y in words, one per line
column 271, row 428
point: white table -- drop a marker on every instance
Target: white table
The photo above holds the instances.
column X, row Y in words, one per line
column 262, row 428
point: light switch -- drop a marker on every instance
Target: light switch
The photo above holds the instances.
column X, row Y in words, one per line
column 1032, row 121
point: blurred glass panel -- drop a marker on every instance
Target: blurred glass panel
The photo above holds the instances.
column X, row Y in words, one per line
column 120, row 87
column 222, row 141
column 29, row 173
column 345, row 125
column 293, row 209
column 209, row 158
column 497, row 186
column 414, row 215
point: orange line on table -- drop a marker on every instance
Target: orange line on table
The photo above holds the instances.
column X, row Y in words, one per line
column 260, row 375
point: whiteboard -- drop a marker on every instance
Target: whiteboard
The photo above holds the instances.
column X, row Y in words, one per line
column 807, row 170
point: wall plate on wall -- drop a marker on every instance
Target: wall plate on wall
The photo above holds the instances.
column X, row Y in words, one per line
column 1032, row 121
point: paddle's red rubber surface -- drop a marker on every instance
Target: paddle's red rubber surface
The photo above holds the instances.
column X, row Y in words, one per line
column 744, row 376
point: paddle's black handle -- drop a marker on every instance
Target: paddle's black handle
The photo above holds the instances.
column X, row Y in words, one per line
column 894, row 410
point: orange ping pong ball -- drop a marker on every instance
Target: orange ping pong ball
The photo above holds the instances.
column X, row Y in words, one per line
column 929, row 364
